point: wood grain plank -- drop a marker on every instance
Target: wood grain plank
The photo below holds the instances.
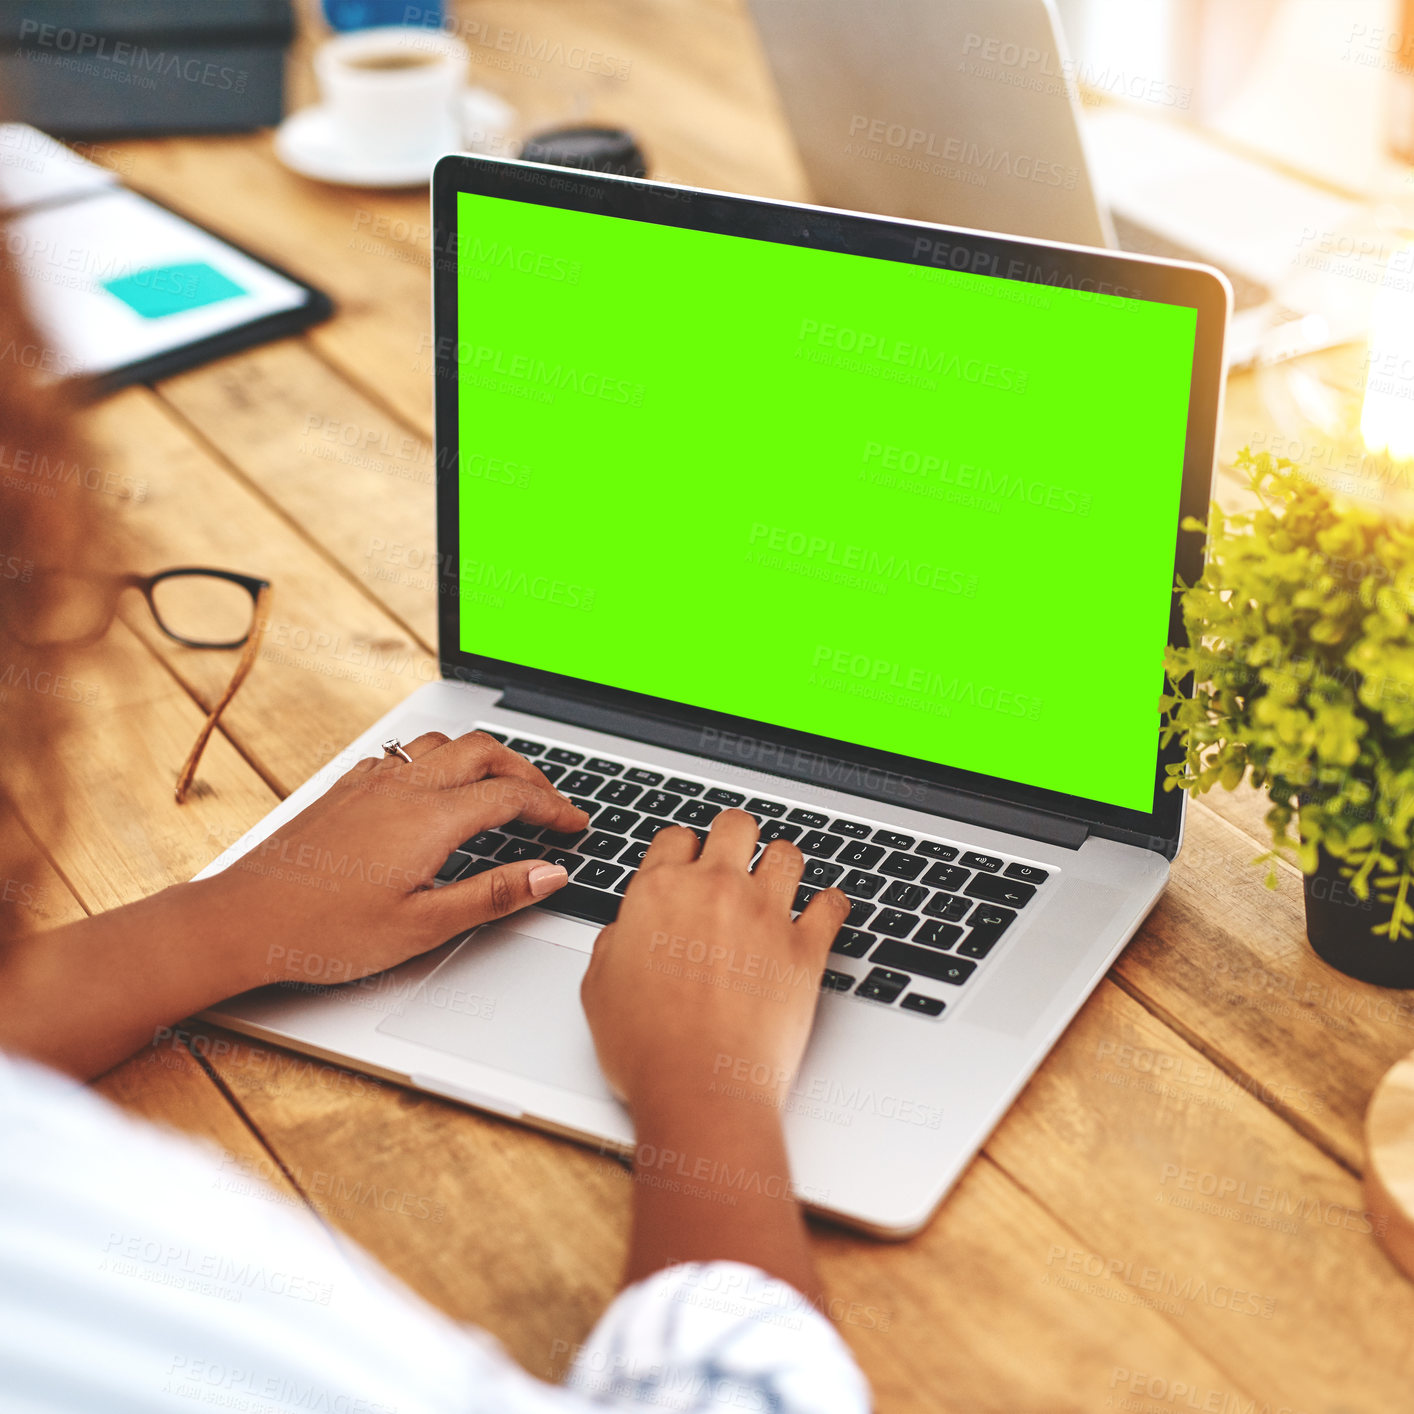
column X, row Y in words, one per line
column 1197, row 1196
column 1225, row 961
column 33, row 894
column 345, row 472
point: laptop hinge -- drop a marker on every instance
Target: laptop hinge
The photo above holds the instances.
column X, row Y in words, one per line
column 794, row 763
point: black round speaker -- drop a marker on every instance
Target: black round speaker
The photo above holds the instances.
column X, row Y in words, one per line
column 589, row 149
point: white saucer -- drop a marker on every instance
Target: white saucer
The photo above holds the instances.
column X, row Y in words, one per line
column 306, row 143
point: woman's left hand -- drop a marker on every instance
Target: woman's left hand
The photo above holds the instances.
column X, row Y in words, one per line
column 345, row 889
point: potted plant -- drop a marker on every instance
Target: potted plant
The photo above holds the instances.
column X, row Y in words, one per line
column 1301, row 652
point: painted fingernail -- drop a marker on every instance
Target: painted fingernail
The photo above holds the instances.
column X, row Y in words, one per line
column 547, row 878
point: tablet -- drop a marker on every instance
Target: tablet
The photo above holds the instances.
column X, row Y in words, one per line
column 121, row 288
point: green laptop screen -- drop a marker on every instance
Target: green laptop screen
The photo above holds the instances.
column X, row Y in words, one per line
column 918, row 510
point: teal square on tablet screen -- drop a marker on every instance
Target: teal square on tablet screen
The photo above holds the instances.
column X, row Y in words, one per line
column 161, row 290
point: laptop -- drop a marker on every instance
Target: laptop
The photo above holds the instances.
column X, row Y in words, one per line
column 968, row 113
column 866, row 526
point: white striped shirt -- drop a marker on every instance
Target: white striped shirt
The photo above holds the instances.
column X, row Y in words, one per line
column 134, row 1276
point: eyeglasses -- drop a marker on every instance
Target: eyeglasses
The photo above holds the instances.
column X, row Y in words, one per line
column 198, row 608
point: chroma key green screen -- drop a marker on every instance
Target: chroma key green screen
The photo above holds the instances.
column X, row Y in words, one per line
column 919, row 510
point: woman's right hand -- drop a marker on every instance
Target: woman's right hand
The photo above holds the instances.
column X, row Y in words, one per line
column 705, row 984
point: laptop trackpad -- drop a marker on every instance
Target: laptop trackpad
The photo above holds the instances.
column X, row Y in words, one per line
column 508, row 999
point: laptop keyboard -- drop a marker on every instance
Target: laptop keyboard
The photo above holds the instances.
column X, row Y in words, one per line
column 926, row 912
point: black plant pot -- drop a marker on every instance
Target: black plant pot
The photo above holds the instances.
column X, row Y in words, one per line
column 1339, row 927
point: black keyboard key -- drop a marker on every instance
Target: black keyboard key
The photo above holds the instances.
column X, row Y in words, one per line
column 683, row 786
column 916, row 1001
column 523, row 746
column 858, row 884
column 946, row 876
column 835, row 981
column 590, row 807
column 938, row 935
column 581, row 783
column 893, row 840
column 551, row 773
column 697, row 812
column 522, row 830
column 632, row 857
column 894, row 922
column 818, row 843
column 564, row 756
column 850, row 942
column 487, row 842
column 821, row 873
column 803, row 895
column 973, row 860
column 658, row 802
column 934, row 850
column 769, row 808
column 641, row 776
column 860, row 912
column 852, row 828
column 570, row 861
column 862, row 856
column 615, row 821
column 976, row 945
column 598, row 875
column 556, row 840
column 812, row 819
column 518, row 849
column 619, row 793
column 1011, row 892
column 949, row 907
column 881, row 985
column 578, row 902
column 904, row 895
column 902, row 866
column 940, row 966
column 730, row 798
column 601, row 846
column 499, row 736
column 477, row 866
column 622, row 886
column 648, row 827
column 453, row 867
column 778, row 830
column 1027, row 873
column 987, row 923
column 603, row 765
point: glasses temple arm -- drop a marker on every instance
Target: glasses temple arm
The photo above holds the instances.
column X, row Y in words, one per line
column 248, row 656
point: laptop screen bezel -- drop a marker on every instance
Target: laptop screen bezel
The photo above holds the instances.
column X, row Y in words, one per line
column 910, row 242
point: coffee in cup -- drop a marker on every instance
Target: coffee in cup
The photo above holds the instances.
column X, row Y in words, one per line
column 393, row 90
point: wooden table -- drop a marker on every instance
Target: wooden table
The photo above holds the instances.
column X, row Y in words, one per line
column 1170, row 1218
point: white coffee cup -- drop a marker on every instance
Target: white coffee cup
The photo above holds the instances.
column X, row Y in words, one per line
column 394, row 89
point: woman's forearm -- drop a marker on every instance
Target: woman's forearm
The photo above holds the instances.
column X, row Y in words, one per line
column 83, row 997
column 712, row 1183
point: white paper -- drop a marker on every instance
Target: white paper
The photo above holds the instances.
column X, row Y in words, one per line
column 35, row 168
